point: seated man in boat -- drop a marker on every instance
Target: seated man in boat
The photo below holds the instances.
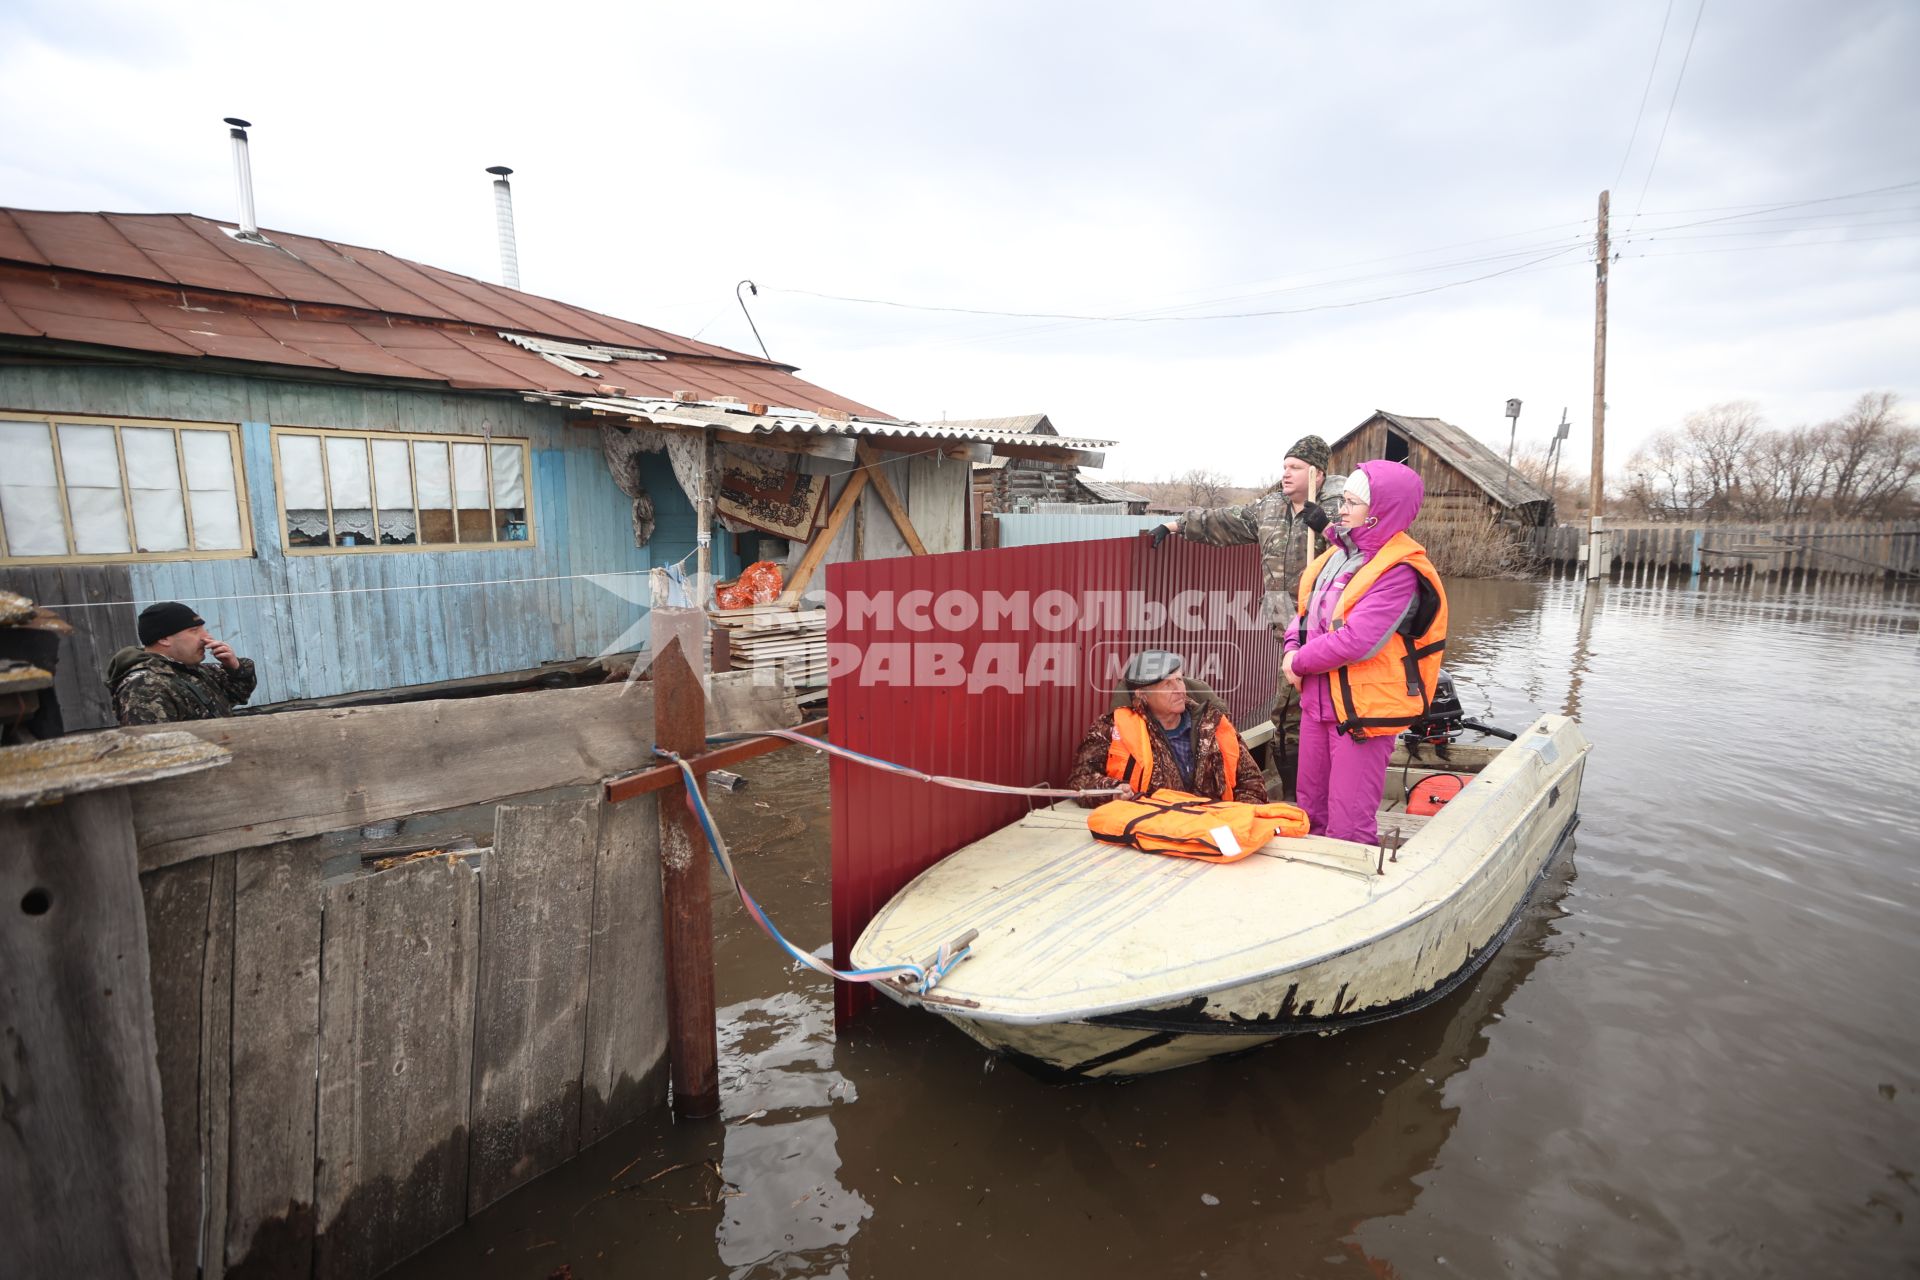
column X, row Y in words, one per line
column 1163, row 737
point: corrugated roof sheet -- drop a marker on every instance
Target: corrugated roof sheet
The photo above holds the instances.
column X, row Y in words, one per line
column 1018, row 424
column 1464, row 453
column 780, row 418
column 1110, row 492
column 178, row 285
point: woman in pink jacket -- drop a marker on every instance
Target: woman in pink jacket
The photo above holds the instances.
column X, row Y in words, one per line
column 1363, row 657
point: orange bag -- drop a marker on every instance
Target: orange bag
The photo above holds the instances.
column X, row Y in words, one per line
column 1189, row 826
column 758, row 583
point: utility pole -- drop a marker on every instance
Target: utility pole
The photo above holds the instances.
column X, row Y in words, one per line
column 1513, row 433
column 1596, row 535
column 1553, row 454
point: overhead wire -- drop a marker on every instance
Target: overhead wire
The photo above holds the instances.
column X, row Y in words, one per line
column 1668, row 120
column 1653, row 66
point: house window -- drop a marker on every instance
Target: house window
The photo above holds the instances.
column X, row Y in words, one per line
column 385, row 491
column 100, row 490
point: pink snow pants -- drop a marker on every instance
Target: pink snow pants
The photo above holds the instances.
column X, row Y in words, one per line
column 1340, row 780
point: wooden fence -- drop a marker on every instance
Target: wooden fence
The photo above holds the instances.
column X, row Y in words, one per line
column 341, row 1062
column 1791, row 552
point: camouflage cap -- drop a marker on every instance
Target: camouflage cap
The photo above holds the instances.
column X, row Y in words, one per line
column 1311, row 450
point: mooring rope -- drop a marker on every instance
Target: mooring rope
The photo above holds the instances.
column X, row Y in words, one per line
column 925, row 977
column 904, row 771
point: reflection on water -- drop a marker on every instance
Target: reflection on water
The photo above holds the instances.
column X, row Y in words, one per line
column 777, row 1090
column 1694, row 1057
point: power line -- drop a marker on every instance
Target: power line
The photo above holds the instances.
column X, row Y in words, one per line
column 1790, row 204
column 1651, row 68
column 1789, row 244
column 1169, row 319
column 1678, row 81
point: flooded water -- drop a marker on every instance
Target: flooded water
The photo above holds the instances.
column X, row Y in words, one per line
column 1696, row 1057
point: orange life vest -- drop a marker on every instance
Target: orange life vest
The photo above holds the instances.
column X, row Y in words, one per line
column 1130, row 758
column 1387, row 692
column 1188, row 826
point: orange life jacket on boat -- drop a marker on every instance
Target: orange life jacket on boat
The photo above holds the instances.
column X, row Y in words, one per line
column 1130, row 758
column 1189, row 826
column 1387, row 692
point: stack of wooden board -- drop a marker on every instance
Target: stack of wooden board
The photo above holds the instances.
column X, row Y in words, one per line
column 767, row 635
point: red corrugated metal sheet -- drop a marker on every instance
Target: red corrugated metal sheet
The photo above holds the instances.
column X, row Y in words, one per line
column 886, row 830
column 119, row 280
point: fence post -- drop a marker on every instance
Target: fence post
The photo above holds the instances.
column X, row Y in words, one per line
column 680, row 724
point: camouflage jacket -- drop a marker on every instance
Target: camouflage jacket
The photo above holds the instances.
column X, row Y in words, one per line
column 1286, row 541
column 150, row 689
column 1209, row 771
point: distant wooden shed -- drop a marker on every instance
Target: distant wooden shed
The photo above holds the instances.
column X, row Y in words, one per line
column 1462, row 475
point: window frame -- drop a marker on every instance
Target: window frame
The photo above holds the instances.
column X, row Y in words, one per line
column 370, row 436
column 54, row 421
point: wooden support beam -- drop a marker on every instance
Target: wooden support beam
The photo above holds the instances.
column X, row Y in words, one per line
column 958, row 450
column 839, row 448
column 817, row 549
column 891, row 500
column 680, row 724
column 630, row 785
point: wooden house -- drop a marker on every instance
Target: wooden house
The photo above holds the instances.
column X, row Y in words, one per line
column 1006, row 483
column 1462, row 475
column 370, row 473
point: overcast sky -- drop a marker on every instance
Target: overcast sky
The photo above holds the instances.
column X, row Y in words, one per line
column 1098, row 159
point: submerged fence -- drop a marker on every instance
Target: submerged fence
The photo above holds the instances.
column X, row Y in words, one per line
column 1791, row 551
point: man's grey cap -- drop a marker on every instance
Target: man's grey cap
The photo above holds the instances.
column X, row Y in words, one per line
column 1149, row 666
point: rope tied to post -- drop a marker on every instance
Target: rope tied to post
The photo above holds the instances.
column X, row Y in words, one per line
column 921, row 977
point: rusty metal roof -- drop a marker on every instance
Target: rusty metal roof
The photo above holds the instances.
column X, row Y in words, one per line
column 181, row 286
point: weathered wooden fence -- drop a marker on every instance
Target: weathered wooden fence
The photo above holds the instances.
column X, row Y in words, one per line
column 350, row 1060
column 1792, row 551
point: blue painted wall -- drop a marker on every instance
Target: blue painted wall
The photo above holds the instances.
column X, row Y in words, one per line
column 321, row 624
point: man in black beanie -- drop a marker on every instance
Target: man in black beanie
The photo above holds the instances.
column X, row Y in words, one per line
column 168, row 679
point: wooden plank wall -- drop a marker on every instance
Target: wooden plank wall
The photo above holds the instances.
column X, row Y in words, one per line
column 1790, row 551
column 351, row 1061
column 82, row 1155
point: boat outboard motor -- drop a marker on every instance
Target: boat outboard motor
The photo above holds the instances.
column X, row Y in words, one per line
column 1446, row 718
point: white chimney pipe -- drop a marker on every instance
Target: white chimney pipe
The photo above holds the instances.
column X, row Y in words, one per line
column 503, row 221
column 243, row 176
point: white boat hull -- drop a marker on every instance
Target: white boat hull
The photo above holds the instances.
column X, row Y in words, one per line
column 1093, row 960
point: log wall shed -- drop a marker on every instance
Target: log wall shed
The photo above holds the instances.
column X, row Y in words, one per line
column 1463, row 477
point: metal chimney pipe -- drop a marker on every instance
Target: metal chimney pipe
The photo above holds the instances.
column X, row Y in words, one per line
column 243, row 174
column 503, row 221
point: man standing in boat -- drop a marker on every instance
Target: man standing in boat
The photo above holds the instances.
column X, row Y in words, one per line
column 1164, row 738
column 1283, row 522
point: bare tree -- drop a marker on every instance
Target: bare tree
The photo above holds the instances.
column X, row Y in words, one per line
column 1786, row 475
column 1201, row 487
column 1718, row 441
column 1873, row 458
column 1664, row 478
